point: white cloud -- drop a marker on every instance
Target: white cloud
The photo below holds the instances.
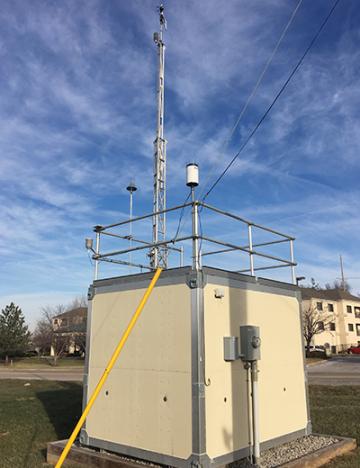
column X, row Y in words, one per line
column 77, row 117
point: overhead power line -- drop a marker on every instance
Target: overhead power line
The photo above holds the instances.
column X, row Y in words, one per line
column 177, row 233
column 246, row 105
column 268, row 110
column 255, row 88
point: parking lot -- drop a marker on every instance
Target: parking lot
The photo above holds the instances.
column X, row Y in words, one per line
column 339, row 370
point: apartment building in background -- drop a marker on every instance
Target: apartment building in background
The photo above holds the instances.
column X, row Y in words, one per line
column 341, row 312
column 70, row 326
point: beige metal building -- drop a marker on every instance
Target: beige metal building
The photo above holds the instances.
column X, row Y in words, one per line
column 341, row 313
column 172, row 398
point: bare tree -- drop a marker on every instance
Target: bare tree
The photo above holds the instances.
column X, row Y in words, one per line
column 344, row 285
column 58, row 346
column 79, row 301
column 80, row 343
column 314, row 284
column 45, row 337
column 339, row 284
column 314, row 322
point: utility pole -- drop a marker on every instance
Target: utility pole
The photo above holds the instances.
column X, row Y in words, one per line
column 159, row 254
column 342, row 273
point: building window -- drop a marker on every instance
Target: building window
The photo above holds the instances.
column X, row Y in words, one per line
column 321, row 326
column 349, row 309
column 331, row 307
column 64, row 323
column 357, row 312
column 333, row 349
column 319, row 306
column 358, row 329
column 332, row 326
column 350, row 327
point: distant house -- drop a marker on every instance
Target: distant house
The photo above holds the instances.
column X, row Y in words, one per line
column 70, row 327
column 343, row 309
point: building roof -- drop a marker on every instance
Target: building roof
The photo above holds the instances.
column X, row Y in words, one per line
column 329, row 294
column 79, row 311
column 72, row 321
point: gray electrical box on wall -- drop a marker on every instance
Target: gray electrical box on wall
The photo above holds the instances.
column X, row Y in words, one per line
column 231, row 348
column 250, row 343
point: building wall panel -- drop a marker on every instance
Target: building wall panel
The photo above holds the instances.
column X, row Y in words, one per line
column 282, row 390
column 146, row 402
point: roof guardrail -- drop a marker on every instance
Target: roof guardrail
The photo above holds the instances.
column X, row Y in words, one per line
column 194, row 241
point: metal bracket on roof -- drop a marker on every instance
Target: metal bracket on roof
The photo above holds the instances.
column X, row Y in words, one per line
column 195, row 280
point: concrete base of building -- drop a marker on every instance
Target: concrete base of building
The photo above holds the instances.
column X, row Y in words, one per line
column 85, row 457
column 323, row 456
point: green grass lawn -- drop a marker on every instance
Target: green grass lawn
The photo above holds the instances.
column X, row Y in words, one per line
column 31, row 416
column 336, row 410
column 35, row 362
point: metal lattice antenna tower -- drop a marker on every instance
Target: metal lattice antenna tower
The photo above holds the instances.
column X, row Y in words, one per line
column 158, row 255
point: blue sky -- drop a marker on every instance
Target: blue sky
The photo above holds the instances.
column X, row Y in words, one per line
column 77, row 115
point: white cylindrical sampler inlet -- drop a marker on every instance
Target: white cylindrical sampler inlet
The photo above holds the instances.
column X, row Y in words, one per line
column 192, row 175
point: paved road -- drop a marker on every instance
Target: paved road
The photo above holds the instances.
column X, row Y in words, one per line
column 69, row 374
column 340, row 370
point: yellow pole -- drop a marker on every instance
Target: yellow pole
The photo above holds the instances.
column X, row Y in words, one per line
column 108, row 369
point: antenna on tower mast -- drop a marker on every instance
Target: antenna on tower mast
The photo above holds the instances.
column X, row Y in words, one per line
column 159, row 254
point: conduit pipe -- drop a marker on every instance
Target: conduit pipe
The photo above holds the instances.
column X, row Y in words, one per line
column 255, row 412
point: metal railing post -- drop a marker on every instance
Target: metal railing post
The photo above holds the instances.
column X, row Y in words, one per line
column 195, row 236
column 97, row 251
column 130, row 228
column 250, row 249
column 198, row 237
column 293, row 274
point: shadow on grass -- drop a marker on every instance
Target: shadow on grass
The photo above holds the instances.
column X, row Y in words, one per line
column 62, row 406
column 335, row 410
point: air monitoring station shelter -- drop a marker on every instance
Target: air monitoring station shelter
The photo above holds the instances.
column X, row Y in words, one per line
column 214, row 369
